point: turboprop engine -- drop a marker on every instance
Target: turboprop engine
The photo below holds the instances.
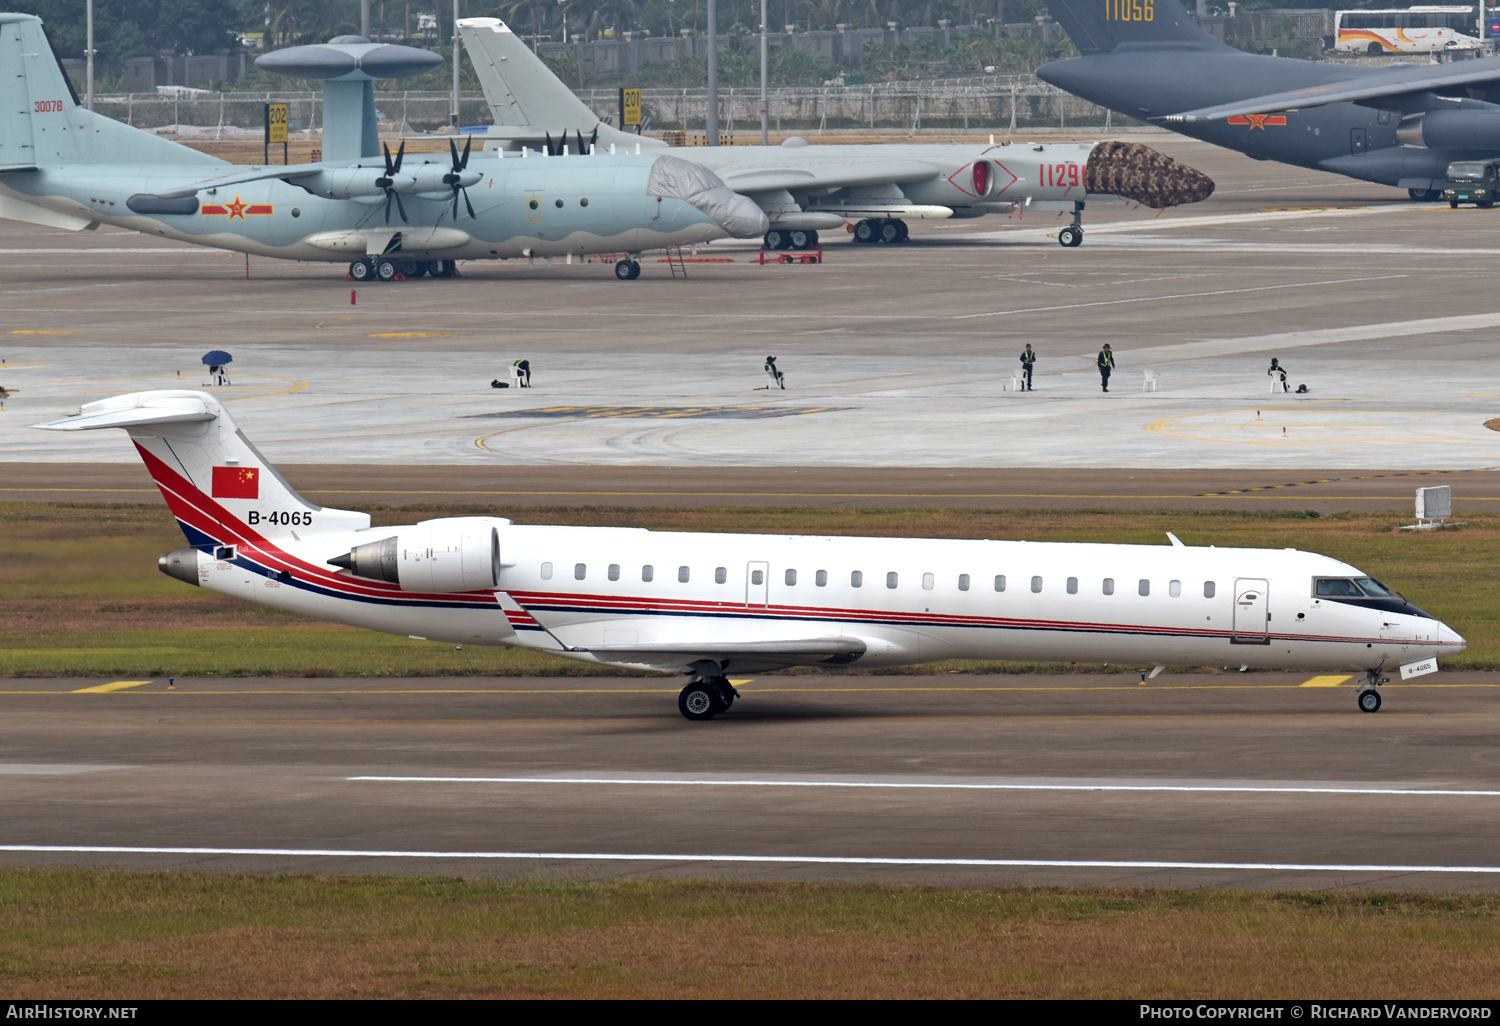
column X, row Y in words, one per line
column 450, row 555
column 362, row 184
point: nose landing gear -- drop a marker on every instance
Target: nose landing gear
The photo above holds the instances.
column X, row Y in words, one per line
column 1071, row 237
column 1369, row 698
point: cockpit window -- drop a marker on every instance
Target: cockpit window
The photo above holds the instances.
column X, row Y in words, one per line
column 1370, row 586
column 1337, row 587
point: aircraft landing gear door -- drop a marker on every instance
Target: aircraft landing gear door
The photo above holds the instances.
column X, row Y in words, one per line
column 757, row 584
column 1252, row 613
column 1357, row 143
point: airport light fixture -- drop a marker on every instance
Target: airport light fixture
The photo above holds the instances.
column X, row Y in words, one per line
column 711, row 118
column 765, row 137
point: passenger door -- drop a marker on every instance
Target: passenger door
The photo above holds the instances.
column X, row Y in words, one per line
column 1252, row 612
column 757, row 584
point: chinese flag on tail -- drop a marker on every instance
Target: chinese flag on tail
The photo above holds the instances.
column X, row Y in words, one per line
column 236, row 483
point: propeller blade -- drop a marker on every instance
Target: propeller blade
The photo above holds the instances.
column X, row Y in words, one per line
column 464, row 164
column 467, row 204
column 455, row 203
column 400, row 155
column 581, row 150
column 594, row 139
column 388, row 195
column 549, row 145
column 389, row 170
column 453, row 149
column 399, row 207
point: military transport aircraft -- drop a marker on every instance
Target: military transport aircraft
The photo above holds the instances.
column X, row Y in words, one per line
column 1398, row 125
column 807, row 189
column 67, row 167
column 709, row 605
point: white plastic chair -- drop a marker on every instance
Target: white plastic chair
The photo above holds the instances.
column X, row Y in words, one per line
column 1278, row 383
column 1017, row 380
column 1150, row 380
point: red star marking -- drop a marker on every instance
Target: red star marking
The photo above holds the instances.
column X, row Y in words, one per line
column 1256, row 121
column 237, row 209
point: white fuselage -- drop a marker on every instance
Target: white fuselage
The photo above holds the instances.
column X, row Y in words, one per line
column 571, row 590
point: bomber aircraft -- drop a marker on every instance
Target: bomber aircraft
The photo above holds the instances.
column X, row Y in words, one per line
column 1398, row 125
column 807, row 189
column 711, row 605
column 64, row 166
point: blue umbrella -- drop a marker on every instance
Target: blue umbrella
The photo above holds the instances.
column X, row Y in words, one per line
column 217, row 358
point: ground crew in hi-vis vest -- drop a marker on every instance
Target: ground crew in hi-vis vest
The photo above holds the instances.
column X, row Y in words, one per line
column 1028, row 358
column 1106, row 362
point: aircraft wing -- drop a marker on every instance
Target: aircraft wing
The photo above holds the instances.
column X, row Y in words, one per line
column 1394, row 82
column 876, row 172
column 283, row 171
column 741, row 656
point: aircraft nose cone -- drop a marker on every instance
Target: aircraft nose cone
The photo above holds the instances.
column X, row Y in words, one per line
column 1451, row 641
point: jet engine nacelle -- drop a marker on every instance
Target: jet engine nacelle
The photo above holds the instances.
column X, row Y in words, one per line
column 450, row 555
column 1451, row 130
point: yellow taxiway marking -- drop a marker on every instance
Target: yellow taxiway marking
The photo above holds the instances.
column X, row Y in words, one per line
column 415, row 334
column 1325, row 682
column 104, row 689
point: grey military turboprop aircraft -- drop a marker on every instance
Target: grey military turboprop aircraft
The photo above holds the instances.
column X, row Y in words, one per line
column 1399, row 125
column 67, row 167
column 806, row 189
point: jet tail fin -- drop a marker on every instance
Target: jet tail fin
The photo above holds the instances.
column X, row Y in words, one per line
column 1099, row 26
column 217, row 484
column 42, row 122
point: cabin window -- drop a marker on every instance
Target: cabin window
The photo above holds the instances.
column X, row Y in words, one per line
column 856, row 579
column 791, row 578
column 928, row 580
column 1109, row 586
column 1072, row 586
column 757, row 577
column 648, row 572
column 1174, row 588
column 821, row 578
column 1144, row 587
column 1036, row 585
column 720, row 575
column 546, row 571
column 999, row 582
column 1208, row 589
column 892, row 579
column 682, row 575
column 963, row 582
column 614, row 571
column 580, row 571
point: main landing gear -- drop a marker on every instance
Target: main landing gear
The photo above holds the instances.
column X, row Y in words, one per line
column 628, row 269
column 883, row 230
column 1369, row 698
column 1071, row 237
column 705, row 698
column 395, row 268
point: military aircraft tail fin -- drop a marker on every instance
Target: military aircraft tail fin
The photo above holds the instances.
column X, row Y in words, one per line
column 217, row 484
column 42, row 122
column 1099, row 26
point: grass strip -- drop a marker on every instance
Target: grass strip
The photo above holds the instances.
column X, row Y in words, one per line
column 69, row 933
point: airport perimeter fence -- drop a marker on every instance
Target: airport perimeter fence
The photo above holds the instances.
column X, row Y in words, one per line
column 1001, row 103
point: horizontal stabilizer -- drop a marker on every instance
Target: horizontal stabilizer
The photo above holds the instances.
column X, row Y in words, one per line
column 1391, row 82
column 139, row 409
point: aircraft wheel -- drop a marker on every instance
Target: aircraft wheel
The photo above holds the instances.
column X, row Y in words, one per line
column 812, row 240
column 361, row 270
column 386, row 269
column 622, row 270
column 901, row 227
column 1424, row 195
column 697, row 702
column 1070, row 237
column 800, row 239
column 443, row 268
column 1369, row 701
column 890, row 233
column 414, row 268
column 865, row 231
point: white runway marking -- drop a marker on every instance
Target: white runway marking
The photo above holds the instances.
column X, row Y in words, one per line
column 1319, row 337
column 894, row 785
column 831, row 860
column 1180, row 295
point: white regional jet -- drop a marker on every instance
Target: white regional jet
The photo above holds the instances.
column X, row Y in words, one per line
column 708, row 605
